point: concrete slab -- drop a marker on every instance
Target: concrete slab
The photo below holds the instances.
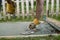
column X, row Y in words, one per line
column 11, row 29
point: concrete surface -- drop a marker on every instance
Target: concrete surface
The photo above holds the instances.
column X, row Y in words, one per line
column 13, row 29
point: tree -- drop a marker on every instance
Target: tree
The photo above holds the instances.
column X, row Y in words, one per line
column 39, row 8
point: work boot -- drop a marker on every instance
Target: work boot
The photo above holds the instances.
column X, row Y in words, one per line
column 36, row 21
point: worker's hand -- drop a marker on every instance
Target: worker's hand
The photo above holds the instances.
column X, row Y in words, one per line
column 32, row 26
column 36, row 21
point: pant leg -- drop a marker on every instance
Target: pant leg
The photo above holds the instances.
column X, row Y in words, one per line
column 8, row 15
column 13, row 15
column 0, row 8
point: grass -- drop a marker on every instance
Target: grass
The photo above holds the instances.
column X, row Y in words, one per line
column 26, row 19
column 34, row 38
column 56, row 17
column 18, row 19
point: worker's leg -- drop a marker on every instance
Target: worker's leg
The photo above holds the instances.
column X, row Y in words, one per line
column 39, row 8
column 39, row 11
column 8, row 15
column 0, row 7
column 0, row 4
column 13, row 15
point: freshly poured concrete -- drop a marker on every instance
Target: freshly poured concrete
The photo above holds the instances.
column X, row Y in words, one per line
column 11, row 29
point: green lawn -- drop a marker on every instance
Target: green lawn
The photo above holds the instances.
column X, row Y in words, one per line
column 34, row 38
column 56, row 17
column 29, row 18
column 21, row 19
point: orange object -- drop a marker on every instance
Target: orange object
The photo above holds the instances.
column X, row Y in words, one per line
column 36, row 21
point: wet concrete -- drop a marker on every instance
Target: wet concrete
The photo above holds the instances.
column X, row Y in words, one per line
column 11, row 29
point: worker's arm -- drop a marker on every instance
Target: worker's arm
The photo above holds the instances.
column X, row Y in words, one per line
column 14, row 4
column 8, row 1
column 32, row 26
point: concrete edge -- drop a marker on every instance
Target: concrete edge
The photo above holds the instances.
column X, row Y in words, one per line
column 54, row 26
column 20, row 36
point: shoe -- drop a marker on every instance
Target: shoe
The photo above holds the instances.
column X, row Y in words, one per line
column 36, row 21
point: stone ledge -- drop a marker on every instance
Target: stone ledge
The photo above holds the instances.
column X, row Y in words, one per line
column 54, row 21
